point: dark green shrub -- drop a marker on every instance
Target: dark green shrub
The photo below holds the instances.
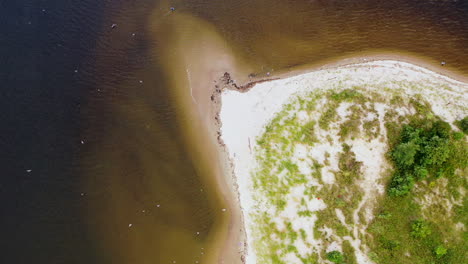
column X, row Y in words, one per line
column 463, row 124
column 425, row 148
column 335, row 256
column 401, row 184
column 390, row 244
column 441, row 129
column 436, row 151
column 458, row 135
column 404, row 153
column 420, row 172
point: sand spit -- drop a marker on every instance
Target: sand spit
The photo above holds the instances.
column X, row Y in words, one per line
column 244, row 116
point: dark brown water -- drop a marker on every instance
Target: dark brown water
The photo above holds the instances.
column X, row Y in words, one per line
column 109, row 143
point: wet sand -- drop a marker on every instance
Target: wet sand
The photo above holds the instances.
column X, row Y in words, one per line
column 198, row 75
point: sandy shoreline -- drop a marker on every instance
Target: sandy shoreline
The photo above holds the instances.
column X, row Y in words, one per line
column 201, row 87
column 435, row 66
column 240, row 118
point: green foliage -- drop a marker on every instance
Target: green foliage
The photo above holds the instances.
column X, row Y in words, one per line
column 291, row 233
column 307, row 132
column 440, row 251
column 303, row 234
column 422, row 107
column 404, row 153
column 420, row 229
column 310, row 259
column 463, row 124
column 425, row 148
column 389, row 244
column 401, row 184
column 351, row 127
column 291, row 248
column 372, row 128
column 390, row 233
column 436, row 151
column 458, row 135
column 348, row 252
column 349, row 166
column 335, row 256
column 384, row 215
column 306, row 213
column 346, row 95
column 328, row 116
column 372, row 256
column 289, row 165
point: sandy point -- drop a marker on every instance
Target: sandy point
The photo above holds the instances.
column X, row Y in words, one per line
column 244, row 113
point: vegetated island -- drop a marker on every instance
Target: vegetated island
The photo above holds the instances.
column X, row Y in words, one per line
column 365, row 163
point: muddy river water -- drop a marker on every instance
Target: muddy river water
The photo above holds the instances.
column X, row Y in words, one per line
column 107, row 157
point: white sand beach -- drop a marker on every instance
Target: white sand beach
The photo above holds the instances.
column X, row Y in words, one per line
column 245, row 115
